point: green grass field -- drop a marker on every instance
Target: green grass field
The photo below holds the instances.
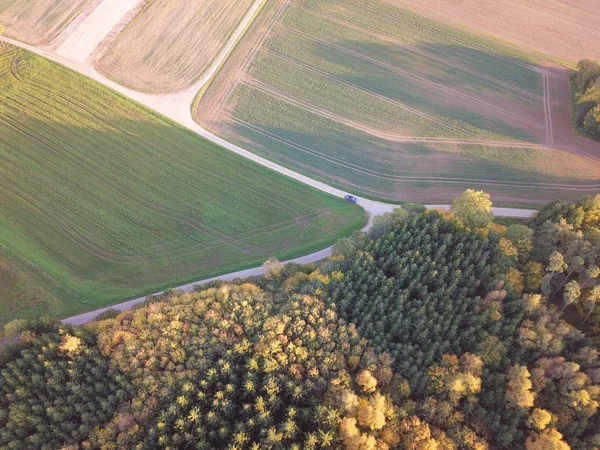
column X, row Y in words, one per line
column 102, row 200
column 360, row 93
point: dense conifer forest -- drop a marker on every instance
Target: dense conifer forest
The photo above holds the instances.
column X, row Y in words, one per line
column 433, row 331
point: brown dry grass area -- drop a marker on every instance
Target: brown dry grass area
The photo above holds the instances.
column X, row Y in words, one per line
column 565, row 29
column 171, row 43
column 37, row 22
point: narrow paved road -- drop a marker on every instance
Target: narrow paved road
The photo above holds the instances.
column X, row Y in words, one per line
column 256, row 271
column 178, row 107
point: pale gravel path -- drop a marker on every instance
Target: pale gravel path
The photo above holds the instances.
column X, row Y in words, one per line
column 72, row 26
column 83, row 40
column 178, row 107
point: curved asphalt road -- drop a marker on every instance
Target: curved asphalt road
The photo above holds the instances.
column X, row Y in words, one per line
column 178, row 107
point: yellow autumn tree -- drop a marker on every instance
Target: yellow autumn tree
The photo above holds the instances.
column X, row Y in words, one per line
column 518, row 387
column 473, row 208
column 367, row 381
column 371, row 412
column 71, row 345
column 539, row 419
column 549, row 439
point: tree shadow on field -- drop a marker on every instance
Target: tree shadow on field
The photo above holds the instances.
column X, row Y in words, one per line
column 370, row 72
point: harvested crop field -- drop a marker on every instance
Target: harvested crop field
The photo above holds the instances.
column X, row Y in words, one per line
column 38, row 21
column 171, row 43
column 102, row 200
column 372, row 98
column 565, row 29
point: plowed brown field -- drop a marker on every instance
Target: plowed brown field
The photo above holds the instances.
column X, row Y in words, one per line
column 565, row 29
column 38, row 21
column 171, row 43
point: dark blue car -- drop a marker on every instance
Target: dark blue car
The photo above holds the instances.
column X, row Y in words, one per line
column 351, row 198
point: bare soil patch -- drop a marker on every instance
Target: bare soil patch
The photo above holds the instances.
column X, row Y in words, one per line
column 171, row 43
column 37, row 22
column 565, row 29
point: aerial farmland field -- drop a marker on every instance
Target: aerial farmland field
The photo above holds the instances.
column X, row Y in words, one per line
column 103, row 200
column 171, row 43
column 38, row 21
column 373, row 98
column 565, row 29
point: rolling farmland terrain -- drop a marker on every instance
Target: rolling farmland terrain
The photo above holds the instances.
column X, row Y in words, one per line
column 171, row 43
column 38, row 21
column 102, row 199
column 565, row 29
column 371, row 97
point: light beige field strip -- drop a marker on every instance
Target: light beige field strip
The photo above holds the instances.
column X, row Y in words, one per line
column 452, row 38
column 564, row 29
column 83, row 40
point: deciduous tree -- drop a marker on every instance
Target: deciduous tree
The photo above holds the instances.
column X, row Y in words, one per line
column 474, row 208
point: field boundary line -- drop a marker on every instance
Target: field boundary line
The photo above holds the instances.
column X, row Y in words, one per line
column 200, row 85
column 80, row 16
column 117, row 31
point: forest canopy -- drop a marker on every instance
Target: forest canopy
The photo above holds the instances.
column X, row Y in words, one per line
column 434, row 330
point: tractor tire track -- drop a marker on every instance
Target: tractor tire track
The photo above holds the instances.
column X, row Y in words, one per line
column 548, row 111
column 380, row 175
column 391, row 137
column 396, row 103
